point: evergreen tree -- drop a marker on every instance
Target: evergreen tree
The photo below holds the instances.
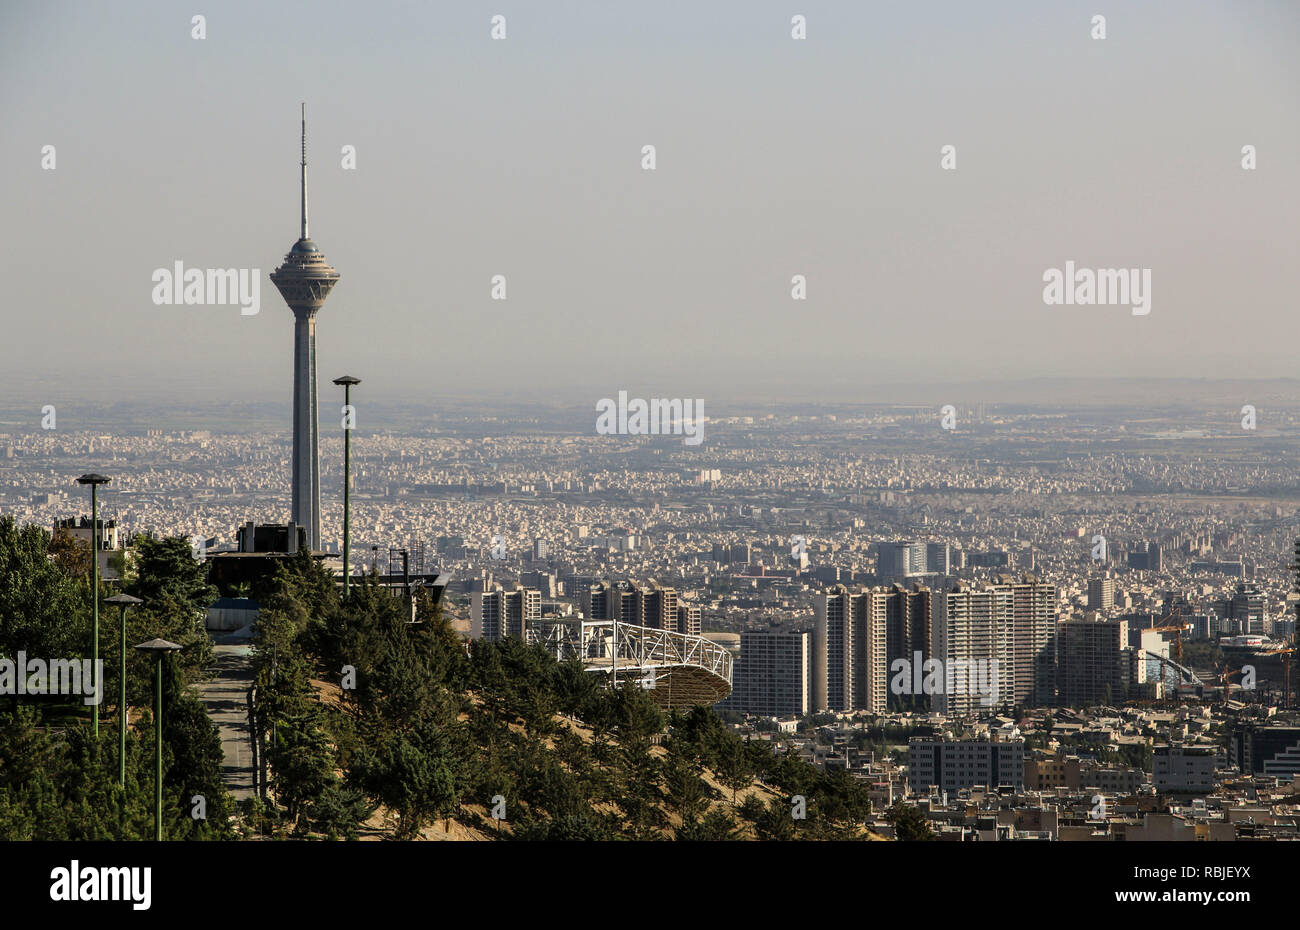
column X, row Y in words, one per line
column 908, row 823
column 44, row 611
column 166, row 569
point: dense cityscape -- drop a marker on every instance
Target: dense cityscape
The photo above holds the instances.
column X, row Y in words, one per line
column 577, row 428
column 1131, row 595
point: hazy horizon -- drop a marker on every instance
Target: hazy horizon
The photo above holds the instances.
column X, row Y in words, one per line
column 385, row 411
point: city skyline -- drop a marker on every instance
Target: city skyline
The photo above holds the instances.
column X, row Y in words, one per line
column 841, row 422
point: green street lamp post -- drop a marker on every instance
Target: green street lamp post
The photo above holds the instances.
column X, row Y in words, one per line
column 124, row 601
column 94, row 481
column 158, row 647
column 347, row 381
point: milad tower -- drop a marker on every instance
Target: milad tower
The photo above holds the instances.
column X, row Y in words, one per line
column 304, row 281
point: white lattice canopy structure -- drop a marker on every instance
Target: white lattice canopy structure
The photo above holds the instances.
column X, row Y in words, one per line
column 679, row 670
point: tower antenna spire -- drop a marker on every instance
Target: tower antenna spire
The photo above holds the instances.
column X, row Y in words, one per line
column 304, row 170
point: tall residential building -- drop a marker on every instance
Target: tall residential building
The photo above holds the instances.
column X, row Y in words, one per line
column 832, row 651
column 850, row 651
column 497, row 613
column 901, row 559
column 871, row 651
column 1101, row 593
column 1033, row 643
column 1146, row 557
column 908, row 637
column 651, row 604
column 972, row 635
column 608, row 601
column 937, row 560
column 1246, row 607
column 655, row 607
column 1095, row 663
column 773, row 675
column 593, row 600
column 995, row 645
column 622, row 604
column 737, row 553
column 689, row 620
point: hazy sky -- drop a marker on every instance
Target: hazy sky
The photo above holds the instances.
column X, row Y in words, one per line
column 523, row 158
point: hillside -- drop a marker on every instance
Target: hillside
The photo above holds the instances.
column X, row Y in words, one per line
column 376, row 727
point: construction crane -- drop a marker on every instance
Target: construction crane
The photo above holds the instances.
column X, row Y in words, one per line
column 1286, row 653
column 1178, row 639
column 1225, row 680
column 1166, row 626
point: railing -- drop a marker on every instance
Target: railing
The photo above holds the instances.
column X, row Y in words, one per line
column 606, row 645
column 1186, row 675
column 259, row 752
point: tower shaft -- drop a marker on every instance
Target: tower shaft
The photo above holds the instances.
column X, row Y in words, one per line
column 306, row 428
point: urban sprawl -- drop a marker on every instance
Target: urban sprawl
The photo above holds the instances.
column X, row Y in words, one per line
column 1059, row 623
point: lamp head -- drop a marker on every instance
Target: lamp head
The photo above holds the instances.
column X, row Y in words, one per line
column 158, row 647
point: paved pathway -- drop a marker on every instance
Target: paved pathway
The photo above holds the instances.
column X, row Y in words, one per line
column 226, row 698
